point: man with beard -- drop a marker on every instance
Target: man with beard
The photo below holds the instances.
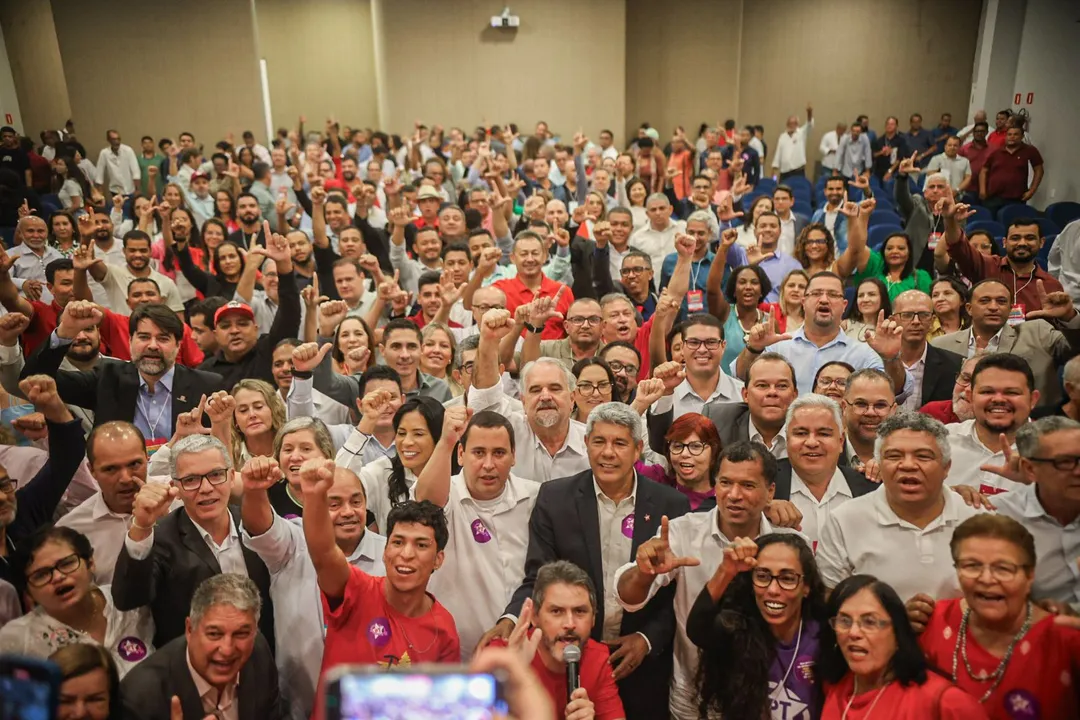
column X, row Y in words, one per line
column 1046, row 340
column 976, row 150
column 151, row 389
column 625, row 362
column 250, row 233
column 116, row 278
column 957, row 408
column 27, row 504
column 30, row 258
column 583, row 340
column 829, row 214
column 868, row 401
column 116, row 453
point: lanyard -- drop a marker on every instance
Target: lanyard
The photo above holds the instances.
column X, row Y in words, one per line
column 1015, row 291
column 152, row 425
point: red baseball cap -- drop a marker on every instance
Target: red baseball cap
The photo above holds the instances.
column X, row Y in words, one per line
column 235, row 307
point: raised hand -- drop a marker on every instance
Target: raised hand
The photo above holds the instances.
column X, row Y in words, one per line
column 973, row 498
column 739, row 556
column 861, row 181
column 318, row 196
column 739, row 188
column 455, row 420
column 667, row 305
column 78, row 315
column 152, row 503
column 727, row 239
column 495, row 325
column 544, row 309
column 308, row 356
column 6, row 261
column 1010, row 468
column 449, row 290
column 649, row 391
column 32, row 426
column 848, row 209
column 867, row 206
column 783, row 513
column 317, row 477
column 764, row 334
column 726, row 212
column 578, row 216
column 671, row 374
column 83, row 257
column 331, row 314
column 755, row 255
column 190, row 422
column 87, row 223
column 260, row 474
column 685, row 245
column 372, row 406
column 356, row 360
column 602, row 233
column 277, row 247
column 560, row 237
column 524, row 639
column 220, row 407
column 886, row 338
column 654, row 557
column 41, row 391
column 489, row 260
column 117, row 201
column 907, row 165
column 1057, row 305
column 32, row 289
column 12, row 325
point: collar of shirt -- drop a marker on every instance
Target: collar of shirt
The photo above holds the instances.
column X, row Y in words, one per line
column 838, row 485
column 233, row 535
column 367, row 549
column 886, row 516
column 719, row 536
column 780, row 441
column 100, row 510
column 727, row 388
column 210, row 696
column 920, row 361
column 602, row 497
column 1032, row 508
column 994, row 342
column 840, row 339
column 512, row 495
column 574, row 443
column 166, row 380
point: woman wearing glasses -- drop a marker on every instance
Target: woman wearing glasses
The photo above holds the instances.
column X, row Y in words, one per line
column 757, row 622
column 871, row 663
column 831, row 379
column 69, row 608
column 595, row 386
column 996, row 644
column 693, row 452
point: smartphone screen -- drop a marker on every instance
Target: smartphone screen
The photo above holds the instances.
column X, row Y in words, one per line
column 415, row 696
column 28, row 689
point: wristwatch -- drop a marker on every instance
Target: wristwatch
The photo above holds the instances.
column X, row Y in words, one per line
column 533, row 329
column 746, row 344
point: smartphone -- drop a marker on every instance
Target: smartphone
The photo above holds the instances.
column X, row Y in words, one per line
column 422, row 692
column 29, row 688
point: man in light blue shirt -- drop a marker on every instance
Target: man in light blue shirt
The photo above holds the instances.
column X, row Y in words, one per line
column 153, row 406
column 775, row 263
column 854, row 155
column 821, row 340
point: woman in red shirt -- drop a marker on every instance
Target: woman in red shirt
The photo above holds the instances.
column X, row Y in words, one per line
column 999, row 646
column 872, row 665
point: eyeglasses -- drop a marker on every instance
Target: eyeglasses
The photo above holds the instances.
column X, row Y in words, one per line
column 695, row 343
column 694, row 448
column 65, row 565
column 963, row 379
column 484, row 308
column 815, row 241
column 191, row 483
column 831, row 294
column 879, row 408
column 9, row 485
column 618, row 367
column 467, row 368
column 866, row 623
column 909, row 316
column 787, row 580
column 1000, row 571
column 588, row 388
column 591, row 320
column 627, row 271
column 1069, row 462
column 832, row 382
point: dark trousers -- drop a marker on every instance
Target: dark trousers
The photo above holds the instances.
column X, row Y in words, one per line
column 801, row 172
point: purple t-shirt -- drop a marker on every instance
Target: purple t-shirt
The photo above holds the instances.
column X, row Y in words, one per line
column 800, row 698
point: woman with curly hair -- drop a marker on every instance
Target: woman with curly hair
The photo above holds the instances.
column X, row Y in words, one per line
column 757, row 622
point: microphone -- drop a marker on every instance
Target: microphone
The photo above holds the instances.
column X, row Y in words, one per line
column 572, row 657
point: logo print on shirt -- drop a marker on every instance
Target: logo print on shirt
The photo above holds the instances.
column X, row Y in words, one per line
column 1022, row 705
column 480, row 532
column 378, row 632
column 131, row 649
column 786, row 705
column 628, row 526
column 804, row 666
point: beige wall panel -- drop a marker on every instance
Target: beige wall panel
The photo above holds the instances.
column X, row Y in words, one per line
column 36, row 68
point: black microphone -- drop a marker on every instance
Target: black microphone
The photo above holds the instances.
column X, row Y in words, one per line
column 571, row 655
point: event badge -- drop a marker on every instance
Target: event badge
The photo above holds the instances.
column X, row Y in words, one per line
column 933, row 240
column 154, row 444
column 695, row 301
column 1016, row 314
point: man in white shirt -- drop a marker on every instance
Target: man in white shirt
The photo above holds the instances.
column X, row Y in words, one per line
column 116, row 278
column 706, row 382
column 791, row 222
column 657, row 239
column 1002, row 393
column 117, row 167
column 549, row 443
column 487, row 512
column 965, row 133
column 955, row 167
column 790, row 156
column 830, row 142
column 259, row 151
column 689, row 549
column 901, row 533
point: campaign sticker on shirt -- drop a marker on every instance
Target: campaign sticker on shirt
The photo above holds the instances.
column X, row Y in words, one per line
column 480, row 532
column 378, row 632
column 1022, row 705
column 292, row 516
column 131, row 649
column 628, row 526
column 695, row 301
column 1016, row 314
column 990, row 489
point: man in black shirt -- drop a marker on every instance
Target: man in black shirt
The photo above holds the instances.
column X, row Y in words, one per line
column 12, row 156
column 889, row 149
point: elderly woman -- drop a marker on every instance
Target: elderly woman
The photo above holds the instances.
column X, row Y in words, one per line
column 89, row 683
column 69, row 608
column 996, row 644
column 869, row 659
column 299, row 440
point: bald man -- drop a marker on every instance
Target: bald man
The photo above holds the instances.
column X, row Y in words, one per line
column 31, row 257
column 934, row 370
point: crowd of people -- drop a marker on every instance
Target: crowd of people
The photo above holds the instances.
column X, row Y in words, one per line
column 354, row 398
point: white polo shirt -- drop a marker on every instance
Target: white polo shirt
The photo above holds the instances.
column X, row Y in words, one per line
column 294, row 590
column 864, row 535
column 968, row 454
column 692, row 535
column 685, row 399
column 485, row 556
column 532, row 459
column 1057, row 547
column 816, row 513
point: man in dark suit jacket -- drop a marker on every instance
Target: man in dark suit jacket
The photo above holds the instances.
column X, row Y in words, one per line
column 566, row 524
column 166, row 555
column 180, row 672
column 913, row 310
column 112, row 389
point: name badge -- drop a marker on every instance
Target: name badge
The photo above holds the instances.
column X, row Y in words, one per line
column 695, row 301
column 1016, row 314
column 933, row 240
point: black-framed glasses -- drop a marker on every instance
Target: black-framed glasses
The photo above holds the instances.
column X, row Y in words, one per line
column 590, row 320
column 627, row 271
column 786, row 579
column 1065, row 464
column 65, row 566
column 467, row 367
column 831, row 294
column 1000, row 571
column 866, row 623
column 191, row 483
column 815, row 241
column 8, row 485
column 909, row 316
column 832, row 382
column 694, row 448
column 618, row 367
column 695, row 343
column 588, row 388
column 862, row 407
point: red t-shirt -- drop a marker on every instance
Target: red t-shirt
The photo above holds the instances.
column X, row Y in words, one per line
column 41, row 325
column 517, row 294
column 1040, row 679
column 418, row 318
column 940, row 410
column 641, row 342
column 594, row 675
column 997, row 138
column 937, row 698
column 117, row 341
column 365, row 630
column 1007, row 172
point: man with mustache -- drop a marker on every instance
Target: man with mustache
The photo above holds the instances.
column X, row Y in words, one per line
column 151, row 390
column 1047, row 339
column 30, row 258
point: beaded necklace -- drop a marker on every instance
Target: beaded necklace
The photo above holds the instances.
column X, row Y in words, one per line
column 999, row 674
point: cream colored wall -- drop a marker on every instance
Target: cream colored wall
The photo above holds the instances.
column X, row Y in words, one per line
column 320, row 61
column 36, row 66
column 159, row 68
column 444, row 63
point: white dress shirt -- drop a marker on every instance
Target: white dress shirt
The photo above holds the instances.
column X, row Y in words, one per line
column 485, row 556
column 1064, row 260
column 829, row 144
column 616, row 546
column 118, row 277
column 104, row 529
column 865, row 536
column 816, row 513
column 229, row 554
column 968, row 454
column 685, row 399
column 657, row 244
column 1057, row 547
column 118, row 171
column 791, row 149
column 532, row 459
column 786, row 243
column 916, row 370
column 128, row 634
column 694, row 535
column 294, row 590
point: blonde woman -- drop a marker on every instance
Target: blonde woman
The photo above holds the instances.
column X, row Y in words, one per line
column 789, row 311
column 437, row 355
column 258, row 416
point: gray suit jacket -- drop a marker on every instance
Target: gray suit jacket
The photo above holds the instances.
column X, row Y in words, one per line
column 1044, row 346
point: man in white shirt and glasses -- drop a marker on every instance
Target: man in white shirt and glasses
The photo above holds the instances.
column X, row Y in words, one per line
column 790, row 156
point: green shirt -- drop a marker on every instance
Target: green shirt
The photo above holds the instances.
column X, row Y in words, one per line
column 144, row 164
column 875, row 267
